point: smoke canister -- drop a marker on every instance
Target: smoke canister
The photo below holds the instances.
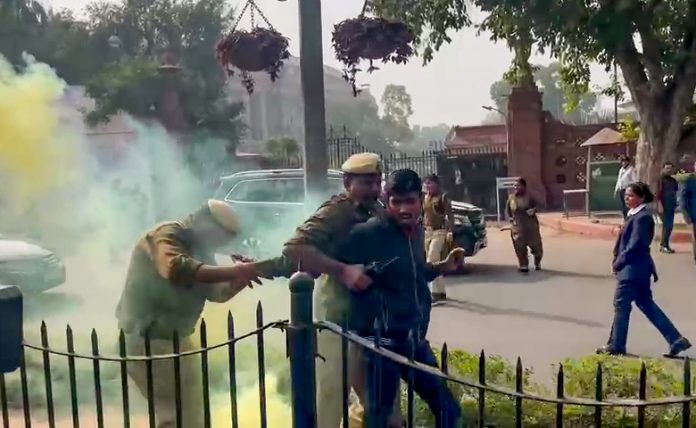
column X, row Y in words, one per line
column 10, row 328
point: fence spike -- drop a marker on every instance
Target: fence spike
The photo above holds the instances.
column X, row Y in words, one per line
column 96, row 371
column 204, row 371
column 72, row 376
column 444, row 358
column 261, row 364
column 642, row 394
column 176, row 348
column 411, row 344
column 25, row 390
column 481, row 391
column 686, row 406
column 48, row 382
column 560, row 394
column 150, row 385
column 122, row 351
column 3, row 402
column 519, row 387
column 344, row 369
column 599, row 395
column 232, row 369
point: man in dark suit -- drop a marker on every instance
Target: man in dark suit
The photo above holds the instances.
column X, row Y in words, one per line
column 667, row 205
column 688, row 200
column 634, row 268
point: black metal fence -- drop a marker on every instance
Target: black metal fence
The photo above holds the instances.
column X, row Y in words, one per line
column 301, row 343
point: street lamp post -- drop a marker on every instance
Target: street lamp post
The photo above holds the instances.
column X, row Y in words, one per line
column 312, row 72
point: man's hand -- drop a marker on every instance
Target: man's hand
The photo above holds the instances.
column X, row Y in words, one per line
column 454, row 260
column 354, row 277
column 245, row 274
column 531, row 211
column 241, row 258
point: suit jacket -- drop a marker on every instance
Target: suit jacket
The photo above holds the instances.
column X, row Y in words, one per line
column 688, row 198
column 632, row 259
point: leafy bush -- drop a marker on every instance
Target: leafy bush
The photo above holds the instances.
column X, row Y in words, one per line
column 620, row 380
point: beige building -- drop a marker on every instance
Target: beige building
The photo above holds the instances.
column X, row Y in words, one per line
column 275, row 108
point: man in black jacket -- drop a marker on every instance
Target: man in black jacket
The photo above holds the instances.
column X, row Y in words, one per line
column 398, row 301
column 667, row 205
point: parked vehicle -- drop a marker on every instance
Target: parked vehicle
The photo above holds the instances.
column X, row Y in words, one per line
column 272, row 203
column 29, row 266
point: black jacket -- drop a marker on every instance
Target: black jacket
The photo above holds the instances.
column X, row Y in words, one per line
column 667, row 191
column 632, row 259
column 400, row 293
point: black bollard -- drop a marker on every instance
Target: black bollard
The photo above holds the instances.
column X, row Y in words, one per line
column 10, row 328
column 302, row 341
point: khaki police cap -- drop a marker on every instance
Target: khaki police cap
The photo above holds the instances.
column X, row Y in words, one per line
column 224, row 215
column 362, row 163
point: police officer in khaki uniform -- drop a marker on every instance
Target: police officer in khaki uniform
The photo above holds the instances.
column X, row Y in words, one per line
column 314, row 249
column 172, row 274
column 438, row 221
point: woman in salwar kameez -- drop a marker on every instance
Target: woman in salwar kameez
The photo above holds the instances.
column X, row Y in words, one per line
column 524, row 226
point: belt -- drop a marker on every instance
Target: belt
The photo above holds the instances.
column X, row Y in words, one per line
column 434, row 229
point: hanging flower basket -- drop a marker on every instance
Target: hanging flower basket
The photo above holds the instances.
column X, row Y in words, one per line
column 261, row 49
column 371, row 39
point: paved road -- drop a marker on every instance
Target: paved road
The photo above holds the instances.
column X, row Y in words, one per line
column 563, row 311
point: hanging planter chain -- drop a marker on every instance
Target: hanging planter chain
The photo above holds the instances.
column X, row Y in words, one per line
column 251, row 5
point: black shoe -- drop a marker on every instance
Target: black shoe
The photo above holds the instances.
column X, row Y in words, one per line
column 524, row 269
column 681, row 345
column 608, row 350
column 666, row 250
column 438, row 297
column 537, row 267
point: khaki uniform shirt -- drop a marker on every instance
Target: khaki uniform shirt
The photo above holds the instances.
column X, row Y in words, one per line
column 326, row 230
column 161, row 294
column 437, row 212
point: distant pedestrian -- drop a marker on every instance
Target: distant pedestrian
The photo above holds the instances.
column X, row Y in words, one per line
column 667, row 205
column 627, row 175
column 634, row 267
column 438, row 221
column 524, row 226
column 688, row 200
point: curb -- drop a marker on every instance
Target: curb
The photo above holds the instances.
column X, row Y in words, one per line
column 603, row 231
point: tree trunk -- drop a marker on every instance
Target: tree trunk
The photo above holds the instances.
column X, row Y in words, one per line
column 660, row 133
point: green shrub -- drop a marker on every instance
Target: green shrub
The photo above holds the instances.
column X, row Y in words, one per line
column 620, row 380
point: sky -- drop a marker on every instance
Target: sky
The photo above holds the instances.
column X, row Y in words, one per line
column 451, row 89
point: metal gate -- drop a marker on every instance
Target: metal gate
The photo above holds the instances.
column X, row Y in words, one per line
column 470, row 175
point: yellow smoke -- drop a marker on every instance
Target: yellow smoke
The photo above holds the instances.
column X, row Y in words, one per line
column 35, row 153
column 274, row 297
column 278, row 413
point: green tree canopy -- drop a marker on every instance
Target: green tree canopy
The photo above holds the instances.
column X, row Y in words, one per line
column 139, row 33
column 548, row 79
column 653, row 42
column 397, row 105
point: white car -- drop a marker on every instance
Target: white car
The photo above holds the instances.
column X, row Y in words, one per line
column 29, row 266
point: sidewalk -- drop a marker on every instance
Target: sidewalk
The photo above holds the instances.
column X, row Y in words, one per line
column 608, row 226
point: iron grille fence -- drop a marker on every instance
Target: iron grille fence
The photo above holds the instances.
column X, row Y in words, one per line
column 301, row 332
